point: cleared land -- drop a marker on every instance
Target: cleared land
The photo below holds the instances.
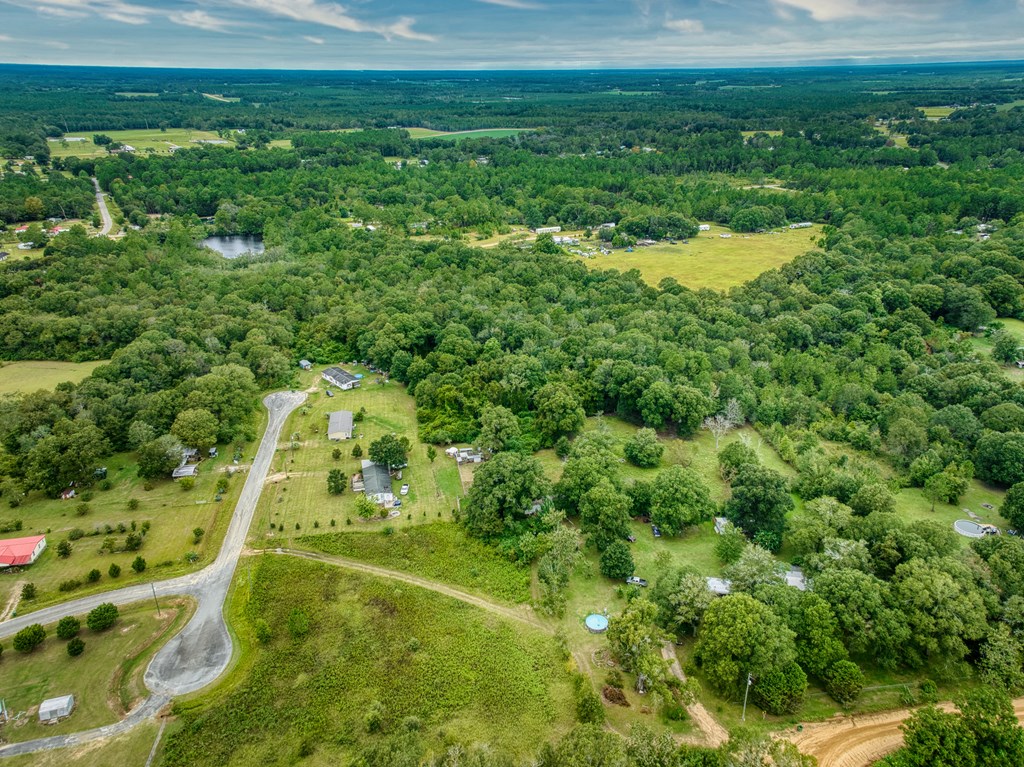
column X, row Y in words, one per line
column 343, row 645
column 137, row 94
column 25, row 377
column 296, row 500
column 224, row 99
column 456, row 135
column 710, row 261
column 985, row 343
column 105, row 679
column 132, row 748
column 937, row 113
column 160, row 142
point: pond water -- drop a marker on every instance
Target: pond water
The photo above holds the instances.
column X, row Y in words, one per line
column 234, row 245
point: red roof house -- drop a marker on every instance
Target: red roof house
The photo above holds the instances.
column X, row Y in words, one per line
column 17, row 552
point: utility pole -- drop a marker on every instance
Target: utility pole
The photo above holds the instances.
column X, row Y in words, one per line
column 750, row 681
column 154, row 600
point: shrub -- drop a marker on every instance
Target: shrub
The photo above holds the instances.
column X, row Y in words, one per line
column 101, row 618
column 114, row 571
column 75, row 534
column 28, row 591
column 197, row 535
column 357, row 451
column 262, row 630
column 298, row 624
column 133, row 504
column 374, row 717
column 29, row 638
column 94, row 576
column 64, row 549
column 186, row 483
column 132, row 542
column 69, row 585
column 82, row 509
column 222, row 484
column 589, row 709
column 106, row 485
column 929, row 691
column 76, row 647
column 191, row 557
column 336, row 454
column 844, row 682
column 412, row 724
column 139, row 564
column 68, row 627
column 781, row 690
column 617, row 561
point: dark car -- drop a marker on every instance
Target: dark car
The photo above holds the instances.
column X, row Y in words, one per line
column 656, row 530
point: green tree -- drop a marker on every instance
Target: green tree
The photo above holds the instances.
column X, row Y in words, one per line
column 682, row 597
column 872, row 497
column 633, row 637
column 1002, row 660
column 617, row 561
column 760, row 501
column 159, row 457
column 741, row 636
column 1005, row 347
column 336, row 482
column 64, row 549
column 69, row 454
column 1012, row 508
column 389, row 450
column 679, row 498
column 357, row 451
column 28, row 592
column 114, row 571
column 558, row 411
column 755, row 568
column 431, row 453
column 589, row 709
column 76, row 647
column 365, row 508
column 844, row 681
column 68, row 627
column 503, row 490
column 499, row 429
column 197, row 428
column 1000, row 457
column 102, row 617
column 643, row 449
column 604, row 514
column 29, row 638
column 781, row 690
column 730, row 545
column 733, row 456
column 139, row 565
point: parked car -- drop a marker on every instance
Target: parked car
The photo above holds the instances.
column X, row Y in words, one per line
column 404, row 490
column 398, row 502
column 634, row 581
column 656, row 530
column 631, row 538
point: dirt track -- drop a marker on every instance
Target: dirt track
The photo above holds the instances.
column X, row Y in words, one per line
column 714, row 733
column 860, row 740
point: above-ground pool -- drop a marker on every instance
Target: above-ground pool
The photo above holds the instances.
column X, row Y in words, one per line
column 973, row 530
column 596, row 623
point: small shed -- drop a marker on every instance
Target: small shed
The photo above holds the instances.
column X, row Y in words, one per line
column 52, row 709
column 185, row 470
column 305, row 364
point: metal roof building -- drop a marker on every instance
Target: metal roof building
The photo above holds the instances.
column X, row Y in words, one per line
column 339, row 425
column 17, row 552
column 56, row 708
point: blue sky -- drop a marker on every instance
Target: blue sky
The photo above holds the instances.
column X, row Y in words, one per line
column 505, row 34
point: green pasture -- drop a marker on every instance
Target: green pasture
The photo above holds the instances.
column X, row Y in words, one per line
column 30, row 376
column 159, row 141
column 984, row 344
column 710, row 261
column 222, row 98
column 296, row 492
column 936, row 113
column 417, row 133
column 103, row 679
column 342, row 645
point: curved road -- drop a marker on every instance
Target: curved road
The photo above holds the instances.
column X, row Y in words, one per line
column 202, row 650
column 101, row 201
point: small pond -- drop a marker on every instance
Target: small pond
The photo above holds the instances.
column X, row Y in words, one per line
column 234, row 245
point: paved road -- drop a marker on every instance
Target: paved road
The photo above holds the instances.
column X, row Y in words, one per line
column 101, row 201
column 202, row 650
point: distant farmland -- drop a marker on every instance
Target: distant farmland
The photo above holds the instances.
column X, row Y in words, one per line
column 457, row 135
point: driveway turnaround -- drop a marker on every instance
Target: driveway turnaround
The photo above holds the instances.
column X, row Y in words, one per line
column 201, row 651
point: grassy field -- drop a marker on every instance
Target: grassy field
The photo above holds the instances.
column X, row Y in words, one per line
column 709, row 261
column 171, row 512
column 456, row 135
column 137, row 94
column 25, row 377
column 132, row 748
column 749, row 133
column 223, row 99
column 105, row 679
column 296, row 493
column 462, row 673
column 936, row 113
column 1010, row 105
column 143, row 140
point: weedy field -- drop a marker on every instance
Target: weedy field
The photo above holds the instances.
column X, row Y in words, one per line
column 348, row 660
column 30, row 376
column 144, row 141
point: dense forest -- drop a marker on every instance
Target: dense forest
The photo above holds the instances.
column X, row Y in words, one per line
column 858, row 355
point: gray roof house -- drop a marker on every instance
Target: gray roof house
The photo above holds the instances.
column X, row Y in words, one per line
column 377, row 484
column 340, row 378
column 339, row 425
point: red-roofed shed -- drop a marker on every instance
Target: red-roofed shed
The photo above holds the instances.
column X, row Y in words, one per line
column 17, row 552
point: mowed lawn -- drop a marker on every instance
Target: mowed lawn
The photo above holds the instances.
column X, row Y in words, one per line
column 143, row 140
column 26, row 377
column 296, row 492
column 936, row 113
column 710, row 261
column 104, row 679
column 132, row 748
column 984, row 345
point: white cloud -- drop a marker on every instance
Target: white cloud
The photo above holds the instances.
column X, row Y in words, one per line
column 835, row 10
column 334, row 16
column 685, row 25
column 314, row 40
column 200, row 20
column 113, row 10
column 56, row 44
column 524, row 5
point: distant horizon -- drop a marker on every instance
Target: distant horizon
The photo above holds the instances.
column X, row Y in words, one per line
column 507, row 35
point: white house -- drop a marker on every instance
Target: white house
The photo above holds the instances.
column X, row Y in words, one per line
column 704, row 227
column 52, row 709
column 547, row 230
column 340, row 378
column 339, row 425
column 801, row 225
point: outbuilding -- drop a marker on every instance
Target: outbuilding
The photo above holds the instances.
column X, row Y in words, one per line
column 339, row 425
column 305, row 364
column 185, row 470
column 52, row 709
column 18, row 552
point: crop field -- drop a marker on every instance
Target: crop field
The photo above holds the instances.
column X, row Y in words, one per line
column 457, row 135
column 104, row 679
column 440, row 551
column 25, row 377
column 107, row 520
column 710, row 261
column 160, row 142
column 296, row 500
column 343, row 645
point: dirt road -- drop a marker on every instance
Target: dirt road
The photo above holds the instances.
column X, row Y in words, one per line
column 101, row 201
column 856, row 741
column 714, row 733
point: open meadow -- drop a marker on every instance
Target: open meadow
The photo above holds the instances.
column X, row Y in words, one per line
column 464, row 134
column 710, row 261
column 145, row 141
column 32, row 375
column 106, row 679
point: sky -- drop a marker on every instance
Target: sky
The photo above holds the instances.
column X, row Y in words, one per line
column 505, row 34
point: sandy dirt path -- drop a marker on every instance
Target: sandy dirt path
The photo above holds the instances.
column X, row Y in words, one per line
column 714, row 733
